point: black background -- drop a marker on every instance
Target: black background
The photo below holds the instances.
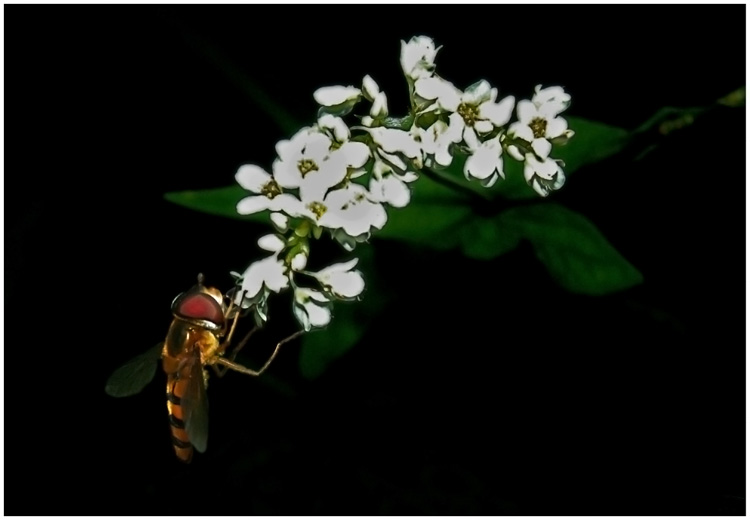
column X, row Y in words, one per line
column 506, row 397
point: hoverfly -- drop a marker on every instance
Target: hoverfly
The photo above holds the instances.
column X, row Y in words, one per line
column 202, row 318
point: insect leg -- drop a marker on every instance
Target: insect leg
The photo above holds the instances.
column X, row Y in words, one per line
column 228, row 340
column 223, row 370
column 239, row 368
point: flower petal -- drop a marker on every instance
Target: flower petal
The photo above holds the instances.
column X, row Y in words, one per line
column 369, row 88
column 336, row 95
column 254, row 204
column 336, row 125
column 392, row 140
column 391, row 190
column 526, row 111
column 280, row 221
column 252, row 177
column 379, row 107
column 446, row 94
column 272, row 243
column 541, row 147
column 520, row 131
column 498, row 113
column 556, row 127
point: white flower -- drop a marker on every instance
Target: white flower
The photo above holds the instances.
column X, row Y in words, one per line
column 256, row 180
column 350, row 209
column 438, row 138
column 551, row 100
column 395, row 141
column 418, row 57
column 310, row 162
column 388, row 187
column 311, row 308
column 538, row 125
column 269, row 273
column 335, row 126
column 544, row 175
column 485, row 162
column 479, row 112
column 339, row 281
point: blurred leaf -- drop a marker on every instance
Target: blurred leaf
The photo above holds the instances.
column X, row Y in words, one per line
column 434, row 217
column 734, row 99
column 217, row 201
column 487, row 238
column 593, row 142
column 575, row 253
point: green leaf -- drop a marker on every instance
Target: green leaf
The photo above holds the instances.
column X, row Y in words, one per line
column 218, row 201
column 574, row 251
column 487, row 238
column 592, row 142
column 434, row 217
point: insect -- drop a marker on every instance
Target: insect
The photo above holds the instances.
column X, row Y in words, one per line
column 203, row 316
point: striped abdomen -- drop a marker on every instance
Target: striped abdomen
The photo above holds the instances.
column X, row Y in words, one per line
column 176, row 388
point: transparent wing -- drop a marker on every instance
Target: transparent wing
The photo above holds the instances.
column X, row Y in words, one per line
column 134, row 375
column 195, row 407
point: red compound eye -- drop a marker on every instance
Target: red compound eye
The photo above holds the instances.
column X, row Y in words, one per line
column 201, row 307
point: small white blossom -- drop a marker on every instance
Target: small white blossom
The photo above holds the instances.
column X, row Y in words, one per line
column 395, row 141
column 418, row 57
column 388, row 187
column 552, row 100
column 537, row 124
column 339, row 281
column 268, row 273
column 350, row 209
column 476, row 106
column 311, row 308
column 485, row 162
column 256, row 180
column 544, row 176
column 310, row 162
column 334, row 126
column 438, row 138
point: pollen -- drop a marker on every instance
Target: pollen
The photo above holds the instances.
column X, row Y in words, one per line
column 469, row 113
column 317, row 208
column 271, row 189
column 539, row 127
column 305, row 166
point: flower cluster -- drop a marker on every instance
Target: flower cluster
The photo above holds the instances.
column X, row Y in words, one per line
column 339, row 179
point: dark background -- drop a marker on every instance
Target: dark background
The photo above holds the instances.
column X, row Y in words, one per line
column 511, row 397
